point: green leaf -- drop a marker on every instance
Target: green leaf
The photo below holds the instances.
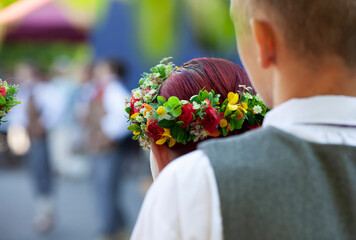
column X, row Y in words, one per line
column 173, row 102
column 177, row 111
column 182, row 136
column 161, row 100
column 191, row 137
column 203, row 95
column 232, row 125
column 180, row 123
column 251, row 118
column 227, row 113
column 2, row 100
column 128, row 110
column 225, row 132
column 166, row 123
column 135, row 137
column 175, row 131
column 195, row 98
column 134, row 128
column 238, row 123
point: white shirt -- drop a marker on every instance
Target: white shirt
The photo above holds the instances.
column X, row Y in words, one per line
column 184, row 202
column 114, row 123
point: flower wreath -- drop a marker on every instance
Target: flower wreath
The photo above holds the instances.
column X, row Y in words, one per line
column 158, row 120
column 8, row 98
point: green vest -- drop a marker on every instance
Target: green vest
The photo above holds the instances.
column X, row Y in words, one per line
column 274, row 186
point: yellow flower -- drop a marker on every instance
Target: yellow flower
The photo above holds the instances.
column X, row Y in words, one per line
column 233, row 98
column 136, row 133
column 166, row 136
column 223, row 123
column 243, row 107
column 134, row 116
column 161, row 111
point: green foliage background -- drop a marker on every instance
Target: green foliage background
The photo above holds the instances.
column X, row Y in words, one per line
column 160, row 22
column 42, row 54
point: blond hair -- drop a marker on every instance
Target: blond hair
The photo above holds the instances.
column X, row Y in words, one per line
column 314, row 28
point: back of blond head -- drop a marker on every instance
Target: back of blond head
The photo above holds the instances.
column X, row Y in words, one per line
column 313, row 28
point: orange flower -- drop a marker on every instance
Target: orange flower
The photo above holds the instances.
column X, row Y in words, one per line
column 148, row 109
column 214, row 134
column 240, row 116
column 223, row 123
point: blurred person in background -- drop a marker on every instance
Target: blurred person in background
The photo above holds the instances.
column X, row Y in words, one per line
column 38, row 114
column 62, row 137
column 107, row 132
column 83, row 97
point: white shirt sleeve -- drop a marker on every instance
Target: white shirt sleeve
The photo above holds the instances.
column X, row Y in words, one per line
column 183, row 203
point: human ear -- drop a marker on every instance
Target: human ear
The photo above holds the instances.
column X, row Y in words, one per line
column 162, row 155
column 264, row 36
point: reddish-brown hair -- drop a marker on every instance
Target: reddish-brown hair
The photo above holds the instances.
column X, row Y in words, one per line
column 216, row 74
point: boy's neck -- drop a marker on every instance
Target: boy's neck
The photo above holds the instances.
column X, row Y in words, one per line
column 333, row 78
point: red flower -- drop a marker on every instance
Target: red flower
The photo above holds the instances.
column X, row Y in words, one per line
column 3, row 91
column 155, row 131
column 132, row 105
column 187, row 115
column 211, row 119
column 253, row 127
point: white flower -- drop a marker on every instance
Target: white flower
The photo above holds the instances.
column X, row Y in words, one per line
column 152, row 92
column 205, row 102
column 257, row 109
column 155, row 75
column 138, row 104
column 164, row 116
column 248, row 96
column 148, row 115
column 258, row 97
column 147, row 98
column 149, row 83
column 127, row 102
column 140, row 119
column 146, row 142
column 137, row 94
column 198, row 132
column 196, row 106
column 183, row 102
column 245, row 87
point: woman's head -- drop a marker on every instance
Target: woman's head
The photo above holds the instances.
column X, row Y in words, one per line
column 219, row 75
column 216, row 74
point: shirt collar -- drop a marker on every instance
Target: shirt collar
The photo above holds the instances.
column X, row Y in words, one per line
column 318, row 110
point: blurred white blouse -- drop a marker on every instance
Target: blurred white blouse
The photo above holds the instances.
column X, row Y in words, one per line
column 47, row 100
column 114, row 123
